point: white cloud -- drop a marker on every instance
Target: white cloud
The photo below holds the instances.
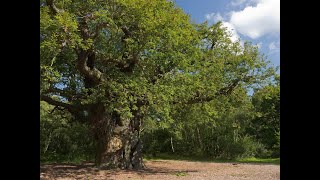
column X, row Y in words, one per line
column 259, row 45
column 237, row 2
column 242, row 2
column 215, row 17
column 274, row 47
column 259, row 20
column 231, row 29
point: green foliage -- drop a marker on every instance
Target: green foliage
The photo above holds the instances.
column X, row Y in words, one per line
column 223, row 128
column 62, row 140
column 266, row 125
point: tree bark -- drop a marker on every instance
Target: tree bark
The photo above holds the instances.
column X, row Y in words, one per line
column 171, row 144
column 199, row 138
column 118, row 141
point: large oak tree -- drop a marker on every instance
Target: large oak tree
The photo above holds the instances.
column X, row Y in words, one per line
column 112, row 63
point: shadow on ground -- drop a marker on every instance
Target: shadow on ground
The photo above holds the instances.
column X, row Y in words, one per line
column 73, row 171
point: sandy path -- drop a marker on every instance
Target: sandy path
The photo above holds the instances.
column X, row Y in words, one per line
column 166, row 169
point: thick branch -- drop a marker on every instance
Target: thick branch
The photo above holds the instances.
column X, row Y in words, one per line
column 92, row 74
column 127, row 33
column 159, row 73
column 199, row 100
column 86, row 58
column 84, row 28
column 130, row 59
column 75, row 110
column 69, row 95
column 223, row 91
column 98, row 29
column 52, row 6
column 212, row 45
column 69, row 107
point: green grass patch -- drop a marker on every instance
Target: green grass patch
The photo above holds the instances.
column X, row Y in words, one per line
column 259, row 160
column 208, row 159
column 164, row 156
column 77, row 160
column 180, row 173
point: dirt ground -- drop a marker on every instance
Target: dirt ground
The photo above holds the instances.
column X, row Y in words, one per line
column 165, row 170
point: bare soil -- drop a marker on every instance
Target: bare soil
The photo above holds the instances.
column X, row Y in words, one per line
column 165, row 170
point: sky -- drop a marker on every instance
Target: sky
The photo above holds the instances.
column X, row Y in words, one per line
column 257, row 21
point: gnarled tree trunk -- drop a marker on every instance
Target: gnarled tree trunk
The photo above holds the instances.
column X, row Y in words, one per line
column 118, row 140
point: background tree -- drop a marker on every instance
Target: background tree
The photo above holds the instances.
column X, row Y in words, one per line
column 266, row 124
column 61, row 137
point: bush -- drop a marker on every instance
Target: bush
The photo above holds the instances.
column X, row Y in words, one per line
column 157, row 141
column 244, row 147
column 252, row 148
column 61, row 141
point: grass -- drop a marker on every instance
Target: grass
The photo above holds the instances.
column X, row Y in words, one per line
column 75, row 160
column 206, row 159
column 163, row 156
column 260, row 160
column 180, row 174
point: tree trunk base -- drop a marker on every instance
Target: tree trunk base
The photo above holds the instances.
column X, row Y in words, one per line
column 126, row 157
column 124, row 152
column 118, row 140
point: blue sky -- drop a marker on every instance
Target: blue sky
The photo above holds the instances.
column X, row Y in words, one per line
column 257, row 21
